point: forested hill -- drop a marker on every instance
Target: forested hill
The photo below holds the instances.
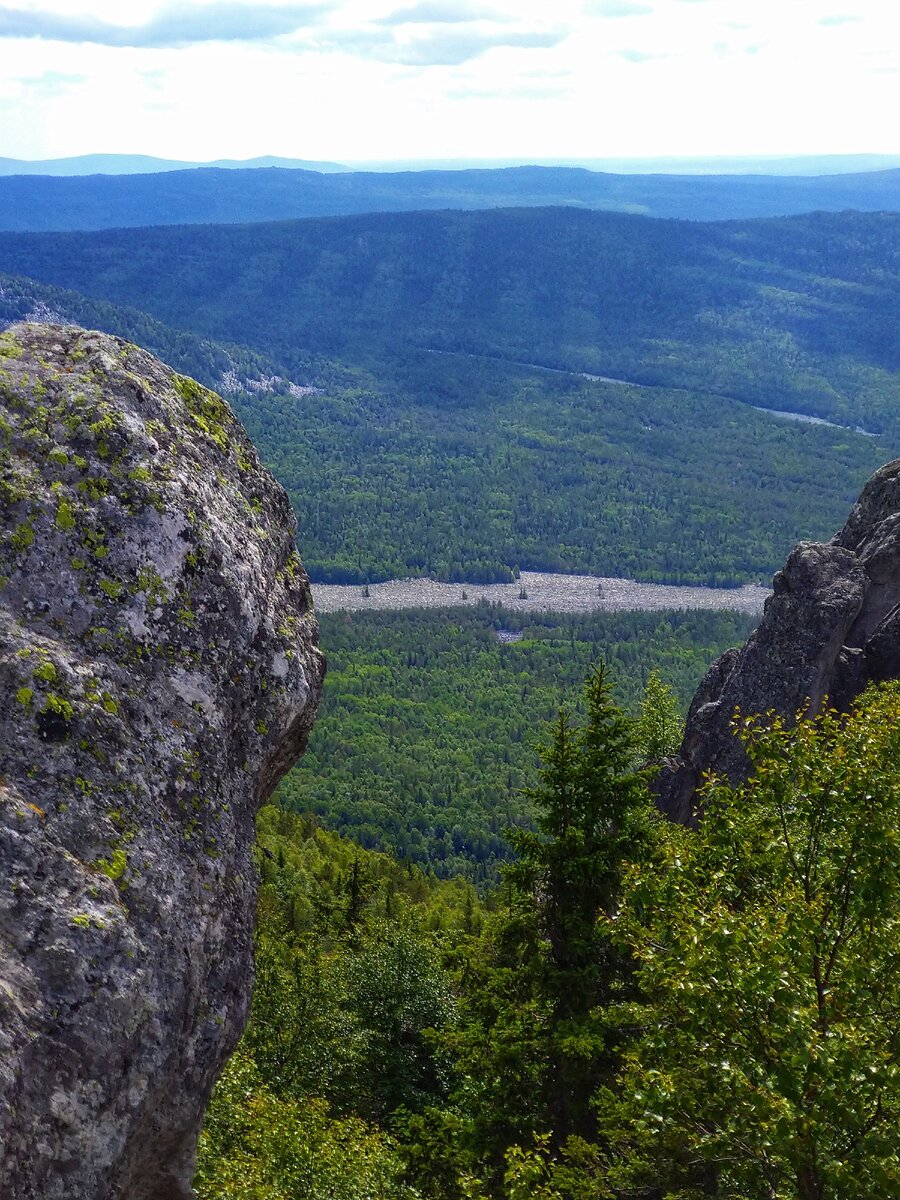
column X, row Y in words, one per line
column 467, row 465
column 798, row 313
column 31, row 202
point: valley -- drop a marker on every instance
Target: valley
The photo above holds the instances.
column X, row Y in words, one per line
column 518, row 444
column 449, row 600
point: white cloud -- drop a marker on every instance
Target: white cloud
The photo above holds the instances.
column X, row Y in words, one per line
column 638, row 56
column 617, row 8
column 379, row 79
column 441, row 12
column 179, row 25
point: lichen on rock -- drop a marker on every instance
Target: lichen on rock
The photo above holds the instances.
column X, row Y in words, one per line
column 831, row 626
column 159, row 672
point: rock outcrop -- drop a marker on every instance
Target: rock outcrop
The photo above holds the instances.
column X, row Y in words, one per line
column 158, row 674
column 831, row 626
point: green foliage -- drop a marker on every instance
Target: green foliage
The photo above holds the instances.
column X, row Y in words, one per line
column 659, row 727
column 467, row 470
column 769, row 945
column 592, row 817
column 259, row 1146
column 537, row 1034
column 349, row 974
column 399, row 994
column 643, row 1011
column 425, row 738
column 760, row 310
column 351, row 994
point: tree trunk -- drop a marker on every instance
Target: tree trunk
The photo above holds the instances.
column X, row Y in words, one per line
column 809, row 1183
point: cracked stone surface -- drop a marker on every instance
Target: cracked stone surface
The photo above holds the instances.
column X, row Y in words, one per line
column 831, row 626
column 159, row 672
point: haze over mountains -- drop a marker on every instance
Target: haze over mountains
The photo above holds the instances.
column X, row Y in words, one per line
column 216, row 195
column 773, row 164
column 145, row 164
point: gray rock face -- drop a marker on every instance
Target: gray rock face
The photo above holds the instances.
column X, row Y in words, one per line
column 158, row 674
column 831, row 626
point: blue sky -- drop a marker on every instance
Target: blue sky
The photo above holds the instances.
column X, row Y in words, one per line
column 368, row 79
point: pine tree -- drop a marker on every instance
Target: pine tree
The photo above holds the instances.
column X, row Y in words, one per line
column 541, row 998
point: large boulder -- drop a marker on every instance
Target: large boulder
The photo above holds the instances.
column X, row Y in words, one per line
column 831, row 626
column 158, row 675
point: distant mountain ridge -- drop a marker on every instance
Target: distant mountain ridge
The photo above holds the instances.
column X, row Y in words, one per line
column 766, row 164
column 145, row 164
column 211, row 195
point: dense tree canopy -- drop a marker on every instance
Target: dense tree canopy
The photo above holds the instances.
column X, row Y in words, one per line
column 425, row 738
column 769, row 944
column 638, row 1012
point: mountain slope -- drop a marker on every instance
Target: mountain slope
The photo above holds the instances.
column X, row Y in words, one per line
column 467, row 464
column 794, row 313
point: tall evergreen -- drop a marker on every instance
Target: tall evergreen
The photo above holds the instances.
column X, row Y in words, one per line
column 542, row 998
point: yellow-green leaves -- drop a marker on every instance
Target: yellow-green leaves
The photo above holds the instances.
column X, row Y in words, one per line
column 769, row 945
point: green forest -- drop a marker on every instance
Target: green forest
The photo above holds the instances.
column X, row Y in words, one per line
column 470, row 464
column 545, row 991
column 425, row 741
column 635, row 1012
column 486, row 969
column 795, row 313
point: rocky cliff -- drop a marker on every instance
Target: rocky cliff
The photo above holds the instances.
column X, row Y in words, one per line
column 158, row 674
column 831, row 626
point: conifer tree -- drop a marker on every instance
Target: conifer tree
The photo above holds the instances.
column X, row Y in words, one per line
column 593, row 819
column 540, row 1002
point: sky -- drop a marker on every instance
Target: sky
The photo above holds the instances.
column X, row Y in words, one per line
column 363, row 80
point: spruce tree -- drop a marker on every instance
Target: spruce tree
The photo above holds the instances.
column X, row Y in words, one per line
column 541, row 1001
column 593, row 817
